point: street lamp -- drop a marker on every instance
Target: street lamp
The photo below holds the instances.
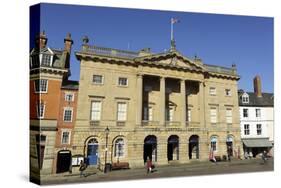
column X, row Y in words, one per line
column 106, row 141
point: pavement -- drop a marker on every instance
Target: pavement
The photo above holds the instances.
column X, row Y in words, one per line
column 193, row 168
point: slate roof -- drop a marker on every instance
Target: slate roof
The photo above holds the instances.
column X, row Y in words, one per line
column 267, row 99
column 70, row 84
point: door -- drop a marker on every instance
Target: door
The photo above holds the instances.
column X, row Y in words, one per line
column 63, row 161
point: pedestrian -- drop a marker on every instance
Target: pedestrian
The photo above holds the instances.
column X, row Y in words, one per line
column 82, row 168
column 148, row 165
column 229, row 153
column 264, row 156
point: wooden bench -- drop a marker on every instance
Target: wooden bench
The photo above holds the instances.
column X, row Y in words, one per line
column 120, row 165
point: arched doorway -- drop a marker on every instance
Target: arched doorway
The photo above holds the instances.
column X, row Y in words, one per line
column 229, row 145
column 150, row 148
column 92, row 152
column 63, row 161
column 173, row 148
column 193, row 147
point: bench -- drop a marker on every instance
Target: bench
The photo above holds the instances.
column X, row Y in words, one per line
column 120, row 165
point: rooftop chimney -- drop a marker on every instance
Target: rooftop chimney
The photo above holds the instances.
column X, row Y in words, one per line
column 41, row 40
column 257, row 86
column 68, row 43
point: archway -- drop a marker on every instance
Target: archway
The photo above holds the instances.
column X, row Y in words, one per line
column 193, row 147
column 63, row 161
column 229, row 145
column 173, row 148
column 92, row 152
column 150, row 148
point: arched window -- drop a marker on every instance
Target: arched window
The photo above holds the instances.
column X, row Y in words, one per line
column 214, row 143
column 119, row 147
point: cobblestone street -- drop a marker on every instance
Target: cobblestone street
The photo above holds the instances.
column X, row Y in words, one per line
column 193, row 169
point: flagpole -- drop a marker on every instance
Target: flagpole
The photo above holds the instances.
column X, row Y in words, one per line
column 172, row 28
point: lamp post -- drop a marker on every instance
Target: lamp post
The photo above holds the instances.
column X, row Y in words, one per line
column 106, row 141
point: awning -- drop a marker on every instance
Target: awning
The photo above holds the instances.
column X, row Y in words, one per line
column 257, row 142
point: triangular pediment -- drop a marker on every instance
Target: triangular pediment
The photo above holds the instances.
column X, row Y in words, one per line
column 171, row 59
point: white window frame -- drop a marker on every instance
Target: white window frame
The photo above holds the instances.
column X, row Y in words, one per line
column 96, row 113
column 259, row 128
column 69, row 136
column 212, row 91
column 119, row 113
column 246, row 129
column 228, row 92
column 50, row 61
column 38, row 110
column 127, row 82
column 258, row 112
column 39, row 86
column 169, row 113
column 116, row 150
column 245, row 110
column 228, row 115
column 245, row 98
column 68, row 109
column 102, row 79
column 148, row 113
column 69, row 94
column 213, row 116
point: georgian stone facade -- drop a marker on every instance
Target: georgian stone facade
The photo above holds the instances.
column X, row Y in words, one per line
column 163, row 106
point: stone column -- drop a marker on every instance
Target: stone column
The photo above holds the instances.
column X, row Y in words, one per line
column 162, row 100
column 183, row 103
column 139, row 99
column 201, row 104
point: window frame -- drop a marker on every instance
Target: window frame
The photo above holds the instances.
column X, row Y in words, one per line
column 38, row 110
column 116, row 148
column 125, row 113
column 42, row 59
column 39, row 86
column 68, row 109
column 258, row 112
column 245, row 110
column 246, row 129
column 212, row 116
column 214, row 144
column 102, row 79
column 259, row 129
column 68, row 94
column 69, row 136
column 120, row 85
column 92, row 111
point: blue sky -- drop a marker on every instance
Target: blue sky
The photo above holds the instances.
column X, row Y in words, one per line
column 217, row 39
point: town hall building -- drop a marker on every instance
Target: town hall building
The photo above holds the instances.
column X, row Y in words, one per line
column 166, row 107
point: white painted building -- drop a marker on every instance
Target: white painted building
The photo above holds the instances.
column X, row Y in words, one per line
column 256, row 120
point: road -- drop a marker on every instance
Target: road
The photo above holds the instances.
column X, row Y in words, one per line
column 192, row 169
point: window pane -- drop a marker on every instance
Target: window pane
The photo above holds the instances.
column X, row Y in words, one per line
column 67, row 115
column 123, row 82
column 97, row 79
column 46, row 60
column 65, row 138
column 119, row 147
column 121, row 111
column 96, row 110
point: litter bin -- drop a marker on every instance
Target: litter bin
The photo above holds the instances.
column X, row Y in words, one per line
column 107, row 167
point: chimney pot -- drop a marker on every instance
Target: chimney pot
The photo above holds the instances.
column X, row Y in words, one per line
column 257, row 86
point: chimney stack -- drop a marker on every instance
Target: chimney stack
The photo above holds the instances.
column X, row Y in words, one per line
column 257, row 86
column 68, row 43
column 41, row 40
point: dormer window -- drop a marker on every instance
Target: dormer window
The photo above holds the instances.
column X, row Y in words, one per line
column 245, row 98
column 34, row 61
column 46, row 60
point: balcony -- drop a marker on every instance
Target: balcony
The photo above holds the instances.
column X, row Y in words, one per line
column 172, row 124
column 147, row 123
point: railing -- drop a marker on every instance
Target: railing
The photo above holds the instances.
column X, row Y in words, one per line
column 147, row 123
column 173, row 123
column 111, row 52
column 219, row 69
column 192, row 124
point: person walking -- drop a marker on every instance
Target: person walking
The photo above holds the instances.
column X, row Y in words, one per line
column 229, row 153
column 148, row 165
column 264, row 156
column 82, row 168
